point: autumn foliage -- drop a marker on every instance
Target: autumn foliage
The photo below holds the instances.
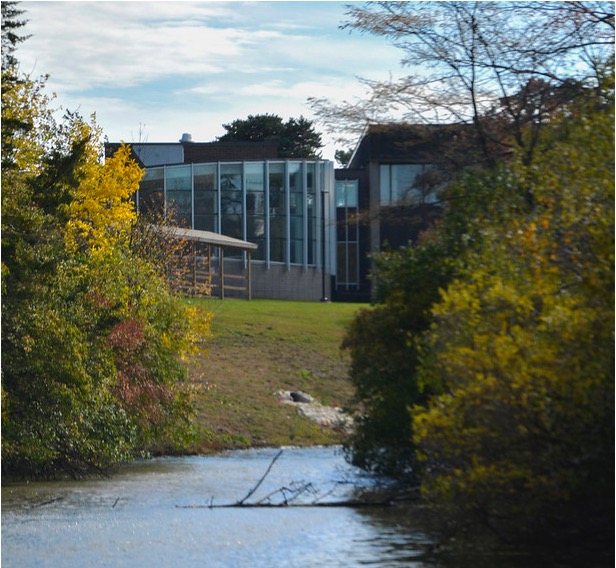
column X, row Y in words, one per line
column 93, row 341
column 499, row 342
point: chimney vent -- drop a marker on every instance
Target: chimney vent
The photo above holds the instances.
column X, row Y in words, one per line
column 186, row 137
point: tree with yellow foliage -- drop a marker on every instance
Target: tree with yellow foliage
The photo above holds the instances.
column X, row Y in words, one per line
column 93, row 340
column 521, row 351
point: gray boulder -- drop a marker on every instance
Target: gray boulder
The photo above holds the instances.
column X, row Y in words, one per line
column 299, row 396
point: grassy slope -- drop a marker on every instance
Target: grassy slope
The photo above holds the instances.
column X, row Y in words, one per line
column 258, row 348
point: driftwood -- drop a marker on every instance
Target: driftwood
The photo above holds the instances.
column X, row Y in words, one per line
column 349, row 504
column 288, row 494
column 251, row 492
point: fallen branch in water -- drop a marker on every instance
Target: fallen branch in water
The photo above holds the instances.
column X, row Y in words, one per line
column 350, row 504
column 44, row 503
column 251, row 492
column 294, row 493
column 291, row 493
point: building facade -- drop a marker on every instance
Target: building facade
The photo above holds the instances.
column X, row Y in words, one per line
column 315, row 227
column 244, row 191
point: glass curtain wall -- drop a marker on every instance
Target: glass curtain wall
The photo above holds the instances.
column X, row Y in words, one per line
column 273, row 204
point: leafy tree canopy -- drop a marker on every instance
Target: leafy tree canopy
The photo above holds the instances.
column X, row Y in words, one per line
column 505, row 68
column 495, row 333
column 521, row 434
column 296, row 138
column 92, row 337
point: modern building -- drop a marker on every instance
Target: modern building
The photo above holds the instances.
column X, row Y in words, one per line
column 315, row 227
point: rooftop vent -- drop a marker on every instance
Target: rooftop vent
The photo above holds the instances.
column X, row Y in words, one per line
column 186, row 137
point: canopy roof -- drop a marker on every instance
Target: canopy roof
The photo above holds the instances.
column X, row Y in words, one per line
column 208, row 237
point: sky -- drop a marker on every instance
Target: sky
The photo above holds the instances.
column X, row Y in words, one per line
column 152, row 71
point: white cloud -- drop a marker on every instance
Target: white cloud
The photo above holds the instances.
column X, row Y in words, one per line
column 192, row 66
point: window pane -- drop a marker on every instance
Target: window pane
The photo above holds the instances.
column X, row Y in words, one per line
column 351, row 193
column 151, row 191
column 346, row 193
column 205, row 177
column 231, row 177
column 180, row 200
column 385, row 184
column 352, row 275
column 231, row 200
column 254, row 173
column 179, row 178
column 297, row 204
column 340, row 193
column 297, row 251
column 205, row 222
column 310, row 179
column 206, row 202
column 276, row 189
column 277, row 212
column 341, row 263
column 403, row 183
column 295, row 177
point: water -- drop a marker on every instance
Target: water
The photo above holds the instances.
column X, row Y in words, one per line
column 157, row 514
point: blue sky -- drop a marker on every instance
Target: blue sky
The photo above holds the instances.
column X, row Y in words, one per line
column 153, row 70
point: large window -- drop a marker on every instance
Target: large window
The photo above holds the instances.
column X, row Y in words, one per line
column 404, row 184
column 311, row 212
column 231, row 200
column 347, row 233
column 206, row 197
column 152, row 192
column 255, row 206
column 179, row 194
column 277, row 212
column 297, row 210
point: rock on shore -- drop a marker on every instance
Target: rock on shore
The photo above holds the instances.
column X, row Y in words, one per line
column 326, row 416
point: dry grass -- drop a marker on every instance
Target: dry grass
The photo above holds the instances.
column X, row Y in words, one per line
column 257, row 349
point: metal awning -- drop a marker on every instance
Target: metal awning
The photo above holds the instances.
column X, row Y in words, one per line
column 208, row 237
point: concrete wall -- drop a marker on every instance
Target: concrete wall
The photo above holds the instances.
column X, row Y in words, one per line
column 279, row 283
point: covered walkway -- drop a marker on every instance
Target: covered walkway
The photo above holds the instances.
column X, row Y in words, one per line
column 201, row 271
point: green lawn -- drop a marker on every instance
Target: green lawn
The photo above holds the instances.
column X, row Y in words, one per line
column 258, row 348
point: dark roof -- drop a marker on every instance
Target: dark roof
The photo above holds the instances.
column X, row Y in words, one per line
column 400, row 142
column 196, row 152
column 200, row 152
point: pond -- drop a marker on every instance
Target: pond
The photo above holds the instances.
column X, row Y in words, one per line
column 167, row 512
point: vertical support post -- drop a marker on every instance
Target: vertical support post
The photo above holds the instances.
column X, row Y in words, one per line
column 194, row 267
column 222, row 273
column 209, row 269
column 324, row 297
column 249, row 277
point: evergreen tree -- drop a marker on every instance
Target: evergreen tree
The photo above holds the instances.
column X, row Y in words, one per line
column 296, row 138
